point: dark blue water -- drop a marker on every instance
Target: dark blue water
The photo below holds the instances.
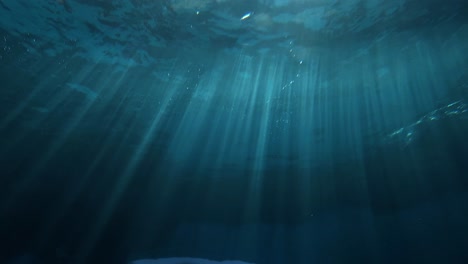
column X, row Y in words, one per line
column 267, row 131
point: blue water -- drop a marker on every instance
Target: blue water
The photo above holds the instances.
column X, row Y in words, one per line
column 261, row 131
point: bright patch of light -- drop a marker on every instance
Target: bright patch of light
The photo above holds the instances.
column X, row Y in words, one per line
column 249, row 14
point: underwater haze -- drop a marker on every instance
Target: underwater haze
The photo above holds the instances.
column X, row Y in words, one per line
column 233, row 131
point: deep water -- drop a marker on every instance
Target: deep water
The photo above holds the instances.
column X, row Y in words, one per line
column 261, row 131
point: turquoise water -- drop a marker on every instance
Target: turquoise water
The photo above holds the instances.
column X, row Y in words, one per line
column 259, row 131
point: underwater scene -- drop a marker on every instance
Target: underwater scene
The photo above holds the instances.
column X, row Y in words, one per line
column 233, row 131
